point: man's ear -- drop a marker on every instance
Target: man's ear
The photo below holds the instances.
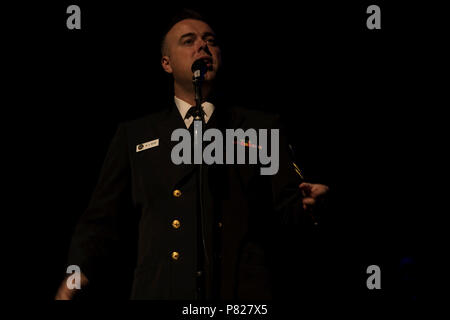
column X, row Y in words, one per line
column 165, row 63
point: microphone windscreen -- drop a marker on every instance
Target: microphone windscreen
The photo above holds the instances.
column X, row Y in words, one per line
column 199, row 65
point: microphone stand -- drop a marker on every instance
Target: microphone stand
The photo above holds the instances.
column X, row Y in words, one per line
column 199, row 121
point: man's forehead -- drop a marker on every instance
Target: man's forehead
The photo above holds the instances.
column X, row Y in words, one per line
column 189, row 26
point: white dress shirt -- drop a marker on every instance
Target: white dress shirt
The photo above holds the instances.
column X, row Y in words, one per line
column 183, row 108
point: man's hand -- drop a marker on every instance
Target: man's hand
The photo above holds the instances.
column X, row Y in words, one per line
column 312, row 194
column 64, row 293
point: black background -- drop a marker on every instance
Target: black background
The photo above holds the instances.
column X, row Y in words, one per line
column 358, row 103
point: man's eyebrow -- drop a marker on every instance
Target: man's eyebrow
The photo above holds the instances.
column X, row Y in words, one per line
column 191, row 34
column 186, row 35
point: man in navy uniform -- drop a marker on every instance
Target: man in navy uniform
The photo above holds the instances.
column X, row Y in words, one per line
column 142, row 190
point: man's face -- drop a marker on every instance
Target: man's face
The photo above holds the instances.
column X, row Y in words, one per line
column 187, row 41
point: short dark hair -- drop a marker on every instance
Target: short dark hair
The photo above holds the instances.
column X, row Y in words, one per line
column 181, row 15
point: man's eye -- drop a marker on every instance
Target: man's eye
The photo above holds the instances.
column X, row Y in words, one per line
column 188, row 41
column 211, row 41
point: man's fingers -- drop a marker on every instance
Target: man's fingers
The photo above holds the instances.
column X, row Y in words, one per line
column 319, row 190
column 305, row 185
column 313, row 190
column 309, row 201
column 305, row 188
column 64, row 293
column 312, row 194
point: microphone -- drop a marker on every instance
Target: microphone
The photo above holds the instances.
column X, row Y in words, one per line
column 199, row 69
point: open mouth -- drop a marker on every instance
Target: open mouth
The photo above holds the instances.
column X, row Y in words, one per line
column 208, row 61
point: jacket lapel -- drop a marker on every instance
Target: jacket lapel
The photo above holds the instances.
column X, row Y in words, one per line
column 171, row 121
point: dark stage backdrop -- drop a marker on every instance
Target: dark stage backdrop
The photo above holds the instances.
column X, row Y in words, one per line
column 353, row 100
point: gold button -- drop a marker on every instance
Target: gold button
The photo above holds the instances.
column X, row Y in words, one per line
column 175, row 255
column 177, row 193
column 176, row 224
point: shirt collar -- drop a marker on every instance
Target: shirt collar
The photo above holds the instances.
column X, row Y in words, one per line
column 183, row 108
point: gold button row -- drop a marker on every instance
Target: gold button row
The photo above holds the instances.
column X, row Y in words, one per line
column 176, row 223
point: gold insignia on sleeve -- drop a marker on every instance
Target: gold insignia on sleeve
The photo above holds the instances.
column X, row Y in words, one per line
column 297, row 169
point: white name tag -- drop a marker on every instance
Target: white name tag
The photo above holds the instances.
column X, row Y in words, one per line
column 147, row 145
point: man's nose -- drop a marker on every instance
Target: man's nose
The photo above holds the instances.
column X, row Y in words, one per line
column 203, row 45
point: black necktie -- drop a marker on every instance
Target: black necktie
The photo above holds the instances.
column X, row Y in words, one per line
column 193, row 112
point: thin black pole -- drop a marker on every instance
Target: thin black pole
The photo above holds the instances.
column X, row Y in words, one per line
column 202, row 257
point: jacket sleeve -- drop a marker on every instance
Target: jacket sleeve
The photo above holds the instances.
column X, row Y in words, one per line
column 287, row 196
column 98, row 234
